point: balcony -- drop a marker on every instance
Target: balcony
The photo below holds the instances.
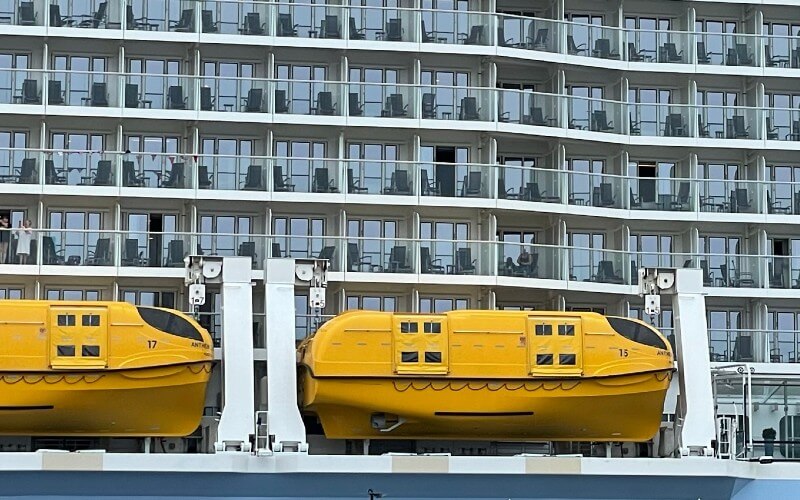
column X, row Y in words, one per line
column 232, row 173
column 727, row 49
column 528, row 108
column 462, row 180
column 596, row 115
column 383, row 100
column 654, row 193
column 540, row 185
column 598, row 266
column 730, row 122
column 381, row 177
column 659, row 120
column 731, row 270
column 456, row 103
column 457, row 27
column 731, row 196
column 528, row 33
column 529, row 261
column 733, row 345
column 596, row 190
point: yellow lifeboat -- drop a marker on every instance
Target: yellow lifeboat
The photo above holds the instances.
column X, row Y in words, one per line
column 100, row 369
column 498, row 375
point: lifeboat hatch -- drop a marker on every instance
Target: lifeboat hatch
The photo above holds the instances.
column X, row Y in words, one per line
column 555, row 346
column 78, row 338
column 419, row 345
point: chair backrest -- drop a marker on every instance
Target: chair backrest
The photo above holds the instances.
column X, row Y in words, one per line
column 131, row 95
column 176, row 175
column 50, row 171
column 394, row 30
column 327, row 253
column 424, row 178
column 253, row 23
column 738, row 125
column 599, row 120
column 131, row 249
column 537, row 116
column 30, row 91
column 401, row 181
column 203, row 179
column 603, row 47
column 99, row 96
column 464, row 259
column 325, row 103
column 128, row 174
column 281, row 106
column 176, row 97
column 354, row 34
column 742, row 54
column 27, row 14
column 102, row 248
column 27, row 174
column 743, row 348
column 683, row 192
column 605, row 268
column 571, row 47
column 672, row 51
column 354, row 104
column 701, row 50
column 103, row 177
column 741, row 198
column 254, row 98
column 54, row 95
column 100, row 14
column 353, row 256
column 277, row 177
column 247, row 249
column 425, row 258
column 205, row 99
column 285, row 27
column 606, row 193
column 427, row 36
column 541, row 36
column 351, row 181
column 474, row 183
column 321, row 180
column 276, row 250
column 675, row 121
column 175, row 252
column 475, row 35
column 207, row 20
column 253, row 179
column 396, row 106
column 469, row 108
column 397, row 256
column 187, row 19
column 428, row 105
column 330, row 27
column 633, row 54
column 633, row 201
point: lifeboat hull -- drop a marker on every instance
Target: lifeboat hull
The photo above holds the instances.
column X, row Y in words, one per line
column 157, row 401
column 618, row 408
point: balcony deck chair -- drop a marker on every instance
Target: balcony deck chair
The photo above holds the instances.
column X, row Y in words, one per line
column 175, row 178
column 536, row 116
column 56, row 19
column 602, row 49
column 506, row 193
column 281, row 103
column 776, row 207
column 465, row 264
column 321, row 182
column 51, row 176
column 175, row 254
column 99, row 95
column 398, row 184
column 132, row 99
column 28, row 173
column 252, row 103
column 280, row 182
column 394, row 30
column 429, row 265
column 354, row 106
column 743, row 348
column 96, row 18
column 429, row 188
column 740, row 131
column 394, row 106
column 776, row 274
column 285, row 26
column 51, row 256
column 247, row 249
column 674, row 126
column 668, row 53
column 681, row 201
column 176, row 100
column 204, row 180
column 575, row 50
column 103, row 175
column 469, row 109
column 207, row 102
column 325, row 105
column 26, row 14
column 772, row 131
column 397, row 260
column 606, row 273
column 429, row 106
column 635, row 201
column 131, row 256
column 252, row 181
column 541, row 40
column 207, row 22
column 356, row 33
column 252, row 24
column 772, row 61
column 354, row 185
column 471, row 187
column 743, row 56
column 130, row 177
column 356, row 262
column 635, row 55
column 55, row 96
column 101, row 256
column 600, row 121
column 329, row 27
column 185, row 24
column 30, row 92
column 428, row 36
column 276, row 250
column 475, row 36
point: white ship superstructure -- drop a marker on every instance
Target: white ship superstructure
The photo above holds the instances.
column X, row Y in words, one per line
column 440, row 154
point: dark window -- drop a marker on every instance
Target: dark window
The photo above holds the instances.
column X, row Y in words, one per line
column 544, row 329
column 431, row 327
column 90, row 351
column 566, row 359
column 637, row 332
column 66, row 320
column 170, row 323
column 544, row 359
column 66, row 350
column 408, row 327
column 566, row 330
column 409, row 357
column 90, row 320
column 433, row 357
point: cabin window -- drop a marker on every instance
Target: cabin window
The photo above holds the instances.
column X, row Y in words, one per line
column 409, row 357
column 66, row 320
column 409, row 327
column 66, row 350
column 568, row 330
column 90, row 351
column 433, row 357
column 431, row 327
column 544, row 329
column 90, row 320
column 566, row 359
column 637, row 332
column 169, row 323
column 544, row 359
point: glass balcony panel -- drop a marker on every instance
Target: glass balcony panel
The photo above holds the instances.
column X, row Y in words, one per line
column 456, row 103
column 19, row 166
column 21, row 86
column 528, row 108
column 310, row 247
column 595, row 190
column 80, row 88
column 380, row 255
column 594, row 41
column 781, row 52
column 783, row 198
column 388, row 24
column 783, row 346
column 462, row 180
column 782, row 271
column 159, row 15
column 597, row 115
column 380, row 177
column 84, row 14
column 529, row 261
column 456, row 27
column 718, row 195
column 727, row 345
column 159, row 92
column 234, row 17
column 656, row 46
column 232, row 173
column 303, row 97
column 599, row 266
column 232, row 245
column 378, row 100
column 457, row 257
column 729, row 122
column 306, row 175
column 655, row 193
column 306, row 20
column 528, row 33
column 148, row 249
column 540, row 185
column 651, row 259
column 662, row 120
column 157, row 170
column 77, row 248
column 246, row 95
column 80, row 168
column 27, row 13
column 731, row 270
column 782, row 124
column 726, row 49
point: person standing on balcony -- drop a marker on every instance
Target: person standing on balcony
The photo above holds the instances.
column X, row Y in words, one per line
column 24, row 235
column 5, row 237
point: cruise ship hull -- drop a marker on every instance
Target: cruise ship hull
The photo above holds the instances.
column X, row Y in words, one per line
column 155, row 401
column 618, row 408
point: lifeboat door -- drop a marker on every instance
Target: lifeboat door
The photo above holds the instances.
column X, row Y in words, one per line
column 78, row 338
column 555, row 346
column 420, row 345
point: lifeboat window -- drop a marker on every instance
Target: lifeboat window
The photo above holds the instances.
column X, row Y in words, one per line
column 566, row 359
column 409, row 327
column 409, row 357
column 568, row 330
column 90, row 351
column 544, row 359
column 66, row 320
column 66, row 350
column 170, row 323
column 431, row 327
column 544, row 329
column 90, row 320
column 433, row 357
column 637, row 332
